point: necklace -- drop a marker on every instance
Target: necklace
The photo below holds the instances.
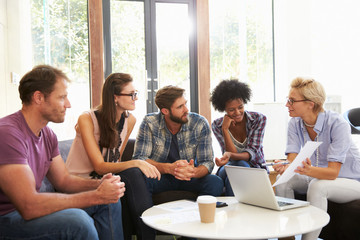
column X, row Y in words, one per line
column 308, row 125
column 317, row 153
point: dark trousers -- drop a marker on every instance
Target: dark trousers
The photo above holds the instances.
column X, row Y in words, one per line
column 135, row 201
column 207, row 185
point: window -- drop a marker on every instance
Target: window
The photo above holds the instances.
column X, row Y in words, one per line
column 241, row 45
column 59, row 34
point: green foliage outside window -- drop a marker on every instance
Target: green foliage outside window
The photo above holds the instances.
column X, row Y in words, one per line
column 241, row 42
column 60, row 36
column 128, row 38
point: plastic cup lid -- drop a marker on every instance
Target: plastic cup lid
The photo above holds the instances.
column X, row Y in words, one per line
column 206, row 199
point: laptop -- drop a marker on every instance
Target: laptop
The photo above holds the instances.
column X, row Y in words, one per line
column 252, row 186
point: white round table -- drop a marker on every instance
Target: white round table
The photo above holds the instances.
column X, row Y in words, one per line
column 236, row 221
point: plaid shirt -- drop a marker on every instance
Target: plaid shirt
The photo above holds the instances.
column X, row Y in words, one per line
column 255, row 127
column 194, row 140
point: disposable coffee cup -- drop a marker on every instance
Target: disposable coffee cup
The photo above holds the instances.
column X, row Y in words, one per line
column 207, row 206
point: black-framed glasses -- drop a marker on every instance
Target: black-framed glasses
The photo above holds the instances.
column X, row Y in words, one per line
column 132, row 95
column 292, row 101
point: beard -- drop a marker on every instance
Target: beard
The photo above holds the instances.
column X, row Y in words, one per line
column 178, row 119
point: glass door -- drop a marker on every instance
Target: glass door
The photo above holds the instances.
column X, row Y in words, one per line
column 154, row 41
column 128, row 47
column 173, row 31
column 59, row 37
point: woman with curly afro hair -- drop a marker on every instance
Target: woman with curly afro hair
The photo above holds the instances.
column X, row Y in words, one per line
column 240, row 133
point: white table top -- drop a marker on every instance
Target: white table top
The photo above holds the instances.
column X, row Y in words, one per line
column 236, row 221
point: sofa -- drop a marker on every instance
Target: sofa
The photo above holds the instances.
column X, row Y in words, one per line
column 344, row 220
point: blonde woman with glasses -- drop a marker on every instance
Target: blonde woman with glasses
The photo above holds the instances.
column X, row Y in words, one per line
column 333, row 171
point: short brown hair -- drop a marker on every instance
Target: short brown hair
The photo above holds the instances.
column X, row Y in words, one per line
column 166, row 96
column 41, row 78
column 310, row 90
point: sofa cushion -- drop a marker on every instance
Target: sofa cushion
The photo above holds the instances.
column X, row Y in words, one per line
column 64, row 148
column 128, row 151
column 169, row 196
column 344, row 220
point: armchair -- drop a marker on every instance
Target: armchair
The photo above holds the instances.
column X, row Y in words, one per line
column 352, row 116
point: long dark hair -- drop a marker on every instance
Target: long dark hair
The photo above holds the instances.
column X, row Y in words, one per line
column 106, row 111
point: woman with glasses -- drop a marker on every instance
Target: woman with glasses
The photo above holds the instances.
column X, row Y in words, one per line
column 239, row 132
column 101, row 137
column 333, row 171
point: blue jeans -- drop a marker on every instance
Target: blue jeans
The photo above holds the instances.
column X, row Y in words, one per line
column 221, row 173
column 207, row 185
column 97, row 222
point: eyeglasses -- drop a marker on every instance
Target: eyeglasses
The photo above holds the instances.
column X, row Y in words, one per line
column 132, row 95
column 292, row 101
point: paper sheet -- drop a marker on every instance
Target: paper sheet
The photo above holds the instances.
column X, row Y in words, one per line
column 178, row 206
column 305, row 152
column 179, row 212
column 173, row 218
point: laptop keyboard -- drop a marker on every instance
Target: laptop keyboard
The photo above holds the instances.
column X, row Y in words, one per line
column 281, row 203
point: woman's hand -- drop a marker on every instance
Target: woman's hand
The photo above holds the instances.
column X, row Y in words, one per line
column 149, row 170
column 223, row 160
column 227, row 121
column 330, row 172
column 279, row 167
column 305, row 169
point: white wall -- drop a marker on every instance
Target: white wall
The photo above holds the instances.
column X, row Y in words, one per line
column 319, row 39
column 3, row 53
column 275, row 130
column 15, row 50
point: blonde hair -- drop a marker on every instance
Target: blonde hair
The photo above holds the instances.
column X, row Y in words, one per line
column 310, row 90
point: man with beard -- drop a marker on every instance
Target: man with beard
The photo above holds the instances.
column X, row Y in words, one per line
column 82, row 208
column 179, row 144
